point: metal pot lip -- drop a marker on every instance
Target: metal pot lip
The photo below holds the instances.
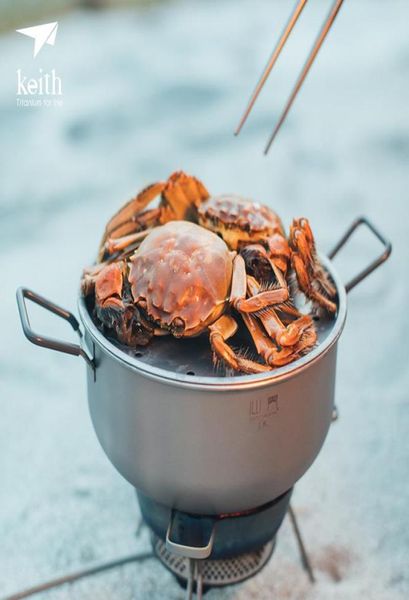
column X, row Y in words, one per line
column 258, row 380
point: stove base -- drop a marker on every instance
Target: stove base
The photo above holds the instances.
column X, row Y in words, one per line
column 215, row 572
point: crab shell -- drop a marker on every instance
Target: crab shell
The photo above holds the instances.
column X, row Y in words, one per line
column 181, row 275
column 239, row 220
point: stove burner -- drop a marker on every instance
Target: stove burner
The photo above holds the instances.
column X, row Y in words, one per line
column 225, row 536
column 215, row 573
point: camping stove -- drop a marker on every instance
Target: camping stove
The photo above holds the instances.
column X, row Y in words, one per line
column 204, row 551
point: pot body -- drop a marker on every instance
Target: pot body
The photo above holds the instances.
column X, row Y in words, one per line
column 206, row 450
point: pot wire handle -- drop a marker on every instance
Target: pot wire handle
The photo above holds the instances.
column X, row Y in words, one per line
column 374, row 264
column 47, row 342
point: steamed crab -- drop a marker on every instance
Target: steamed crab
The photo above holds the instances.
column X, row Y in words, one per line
column 160, row 274
column 184, row 281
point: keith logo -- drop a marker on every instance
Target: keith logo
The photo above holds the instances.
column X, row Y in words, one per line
column 42, row 34
column 42, row 89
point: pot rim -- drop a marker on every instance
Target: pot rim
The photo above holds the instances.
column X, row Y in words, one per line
column 257, row 380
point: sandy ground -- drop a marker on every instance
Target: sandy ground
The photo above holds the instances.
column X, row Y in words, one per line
column 145, row 93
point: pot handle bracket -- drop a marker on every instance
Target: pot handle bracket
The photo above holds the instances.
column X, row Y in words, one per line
column 374, row 264
column 181, row 541
column 191, row 537
column 47, row 342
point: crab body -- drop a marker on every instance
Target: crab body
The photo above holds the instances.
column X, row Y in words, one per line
column 240, row 221
column 181, row 275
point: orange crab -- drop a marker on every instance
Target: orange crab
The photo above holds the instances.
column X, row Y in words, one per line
column 184, row 281
column 259, row 251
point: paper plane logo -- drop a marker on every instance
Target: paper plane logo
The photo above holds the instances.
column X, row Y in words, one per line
column 42, row 34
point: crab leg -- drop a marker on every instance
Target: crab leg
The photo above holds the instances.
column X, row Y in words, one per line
column 220, row 331
column 316, row 265
column 312, row 278
column 305, row 242
column 238, row 282
column 126, row 216
column 138, row 221
column 279, row 255
column 264, row 268
column 284, row 336
column 257, row 302
column 262, row 300
column 308, row 288
column 269, row 351
column 297, row 337
column 113, row 245
column 264, row 345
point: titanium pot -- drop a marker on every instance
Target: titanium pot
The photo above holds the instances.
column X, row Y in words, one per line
column 197, row 442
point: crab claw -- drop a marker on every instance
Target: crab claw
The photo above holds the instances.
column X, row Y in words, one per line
column 307, row 341
column 132, row 217
column 114, row 306
column 180, row 196
column 292, row 334
column 108, row 286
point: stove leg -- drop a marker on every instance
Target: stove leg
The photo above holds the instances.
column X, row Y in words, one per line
column 191, row 579
column 305, row 561
column 195, row 575
column 199, row 581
